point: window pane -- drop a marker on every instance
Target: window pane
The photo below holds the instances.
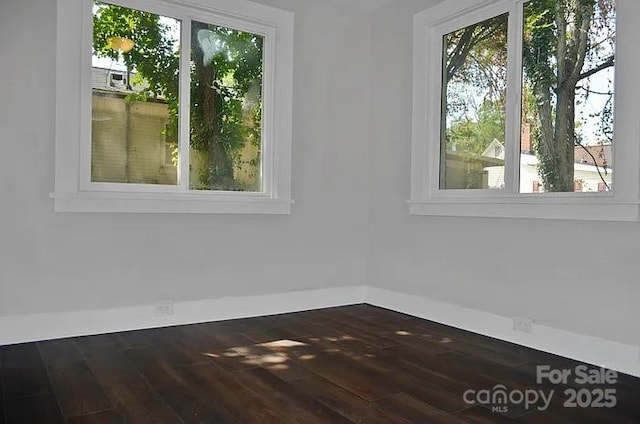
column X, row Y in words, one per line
column 226, row 109
column 134, row 96
column 473, row 104
column 567, row 121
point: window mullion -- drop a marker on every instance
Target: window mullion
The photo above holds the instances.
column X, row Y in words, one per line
column 514, row 99
column 185, row 101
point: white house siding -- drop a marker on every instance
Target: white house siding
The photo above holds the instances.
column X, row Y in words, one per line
column 587, row 174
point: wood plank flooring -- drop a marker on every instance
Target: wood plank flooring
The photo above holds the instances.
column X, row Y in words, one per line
column 353, row 364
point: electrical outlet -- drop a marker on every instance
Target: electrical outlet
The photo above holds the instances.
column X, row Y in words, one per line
column 523, row 324
column 164, row 308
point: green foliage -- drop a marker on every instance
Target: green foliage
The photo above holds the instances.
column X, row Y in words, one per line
column 225, row 93
column 476, row 65
column 540, row 42
column 238, row 69
column 565, row 43
column 475, row 135
column 154, row 56
column 476, row 85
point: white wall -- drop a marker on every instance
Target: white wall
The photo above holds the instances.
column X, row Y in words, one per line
column 62, row 262
column 349, row 227
column 582, row 277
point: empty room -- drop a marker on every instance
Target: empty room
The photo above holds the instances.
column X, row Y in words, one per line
column 320, row 211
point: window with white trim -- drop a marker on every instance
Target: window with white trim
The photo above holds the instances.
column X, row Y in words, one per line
column 173, row 107
column 514, row 110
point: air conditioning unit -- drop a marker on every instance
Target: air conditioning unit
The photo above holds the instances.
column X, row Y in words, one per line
column 117, row 80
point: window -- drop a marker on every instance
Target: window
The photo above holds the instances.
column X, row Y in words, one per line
column 164, row 107
column 514, row 110
column 473, row 106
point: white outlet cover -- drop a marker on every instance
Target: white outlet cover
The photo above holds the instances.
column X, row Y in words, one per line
column 164, row 308
column 523, row 324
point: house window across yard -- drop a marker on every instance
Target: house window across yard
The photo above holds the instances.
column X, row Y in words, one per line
column 177, row 109
column 526, row 111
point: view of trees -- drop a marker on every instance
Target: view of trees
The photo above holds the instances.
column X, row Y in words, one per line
column 474, row 135
column 568, row 52
column 226, row 86
column 568, row 48
column 476, row 77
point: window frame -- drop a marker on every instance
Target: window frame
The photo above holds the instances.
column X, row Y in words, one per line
column 427, row 198
column 74, row 190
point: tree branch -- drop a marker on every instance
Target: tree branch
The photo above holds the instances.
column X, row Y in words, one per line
column 460, row 52
column 561, row 44
column 584, row 12
column 469, row 39
column 604, row 65
column 589, row 91
column 595, row 163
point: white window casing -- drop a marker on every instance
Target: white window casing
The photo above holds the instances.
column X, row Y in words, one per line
column 426, row 196
column 74, row 191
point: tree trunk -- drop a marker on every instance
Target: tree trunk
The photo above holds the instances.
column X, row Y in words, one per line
column 556, row 142
column 219, row 162
column 565, row 139
column 546, row 146
column 556, row 138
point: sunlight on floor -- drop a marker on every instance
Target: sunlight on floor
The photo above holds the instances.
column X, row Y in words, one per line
column 274, row 354
column 282, row 344
column 307, row 357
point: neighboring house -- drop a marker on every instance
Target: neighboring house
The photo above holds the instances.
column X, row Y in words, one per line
column 587, row 178
column 602, row 153
column 495, row 149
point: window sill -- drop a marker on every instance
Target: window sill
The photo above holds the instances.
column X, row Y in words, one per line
column 539, row 208
column 196, row 203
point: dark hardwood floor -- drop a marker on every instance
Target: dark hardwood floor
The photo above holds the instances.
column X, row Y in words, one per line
column 355, row 364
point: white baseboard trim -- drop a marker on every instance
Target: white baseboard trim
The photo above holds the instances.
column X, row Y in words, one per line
column 29, row 328
column 593, row 350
